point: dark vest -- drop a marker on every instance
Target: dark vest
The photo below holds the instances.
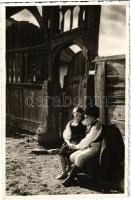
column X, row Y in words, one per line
column 78, row 132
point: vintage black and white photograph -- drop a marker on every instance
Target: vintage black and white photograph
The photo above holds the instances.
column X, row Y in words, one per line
column 66, row 99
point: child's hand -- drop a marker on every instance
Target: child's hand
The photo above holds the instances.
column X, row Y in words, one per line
column 72, row 146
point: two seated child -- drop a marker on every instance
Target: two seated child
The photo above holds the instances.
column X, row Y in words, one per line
column 82, row 142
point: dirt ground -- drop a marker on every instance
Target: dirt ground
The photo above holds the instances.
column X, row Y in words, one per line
column 30, row 174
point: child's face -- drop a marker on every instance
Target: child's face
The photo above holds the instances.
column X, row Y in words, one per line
column 89, row 119
column 77, row 116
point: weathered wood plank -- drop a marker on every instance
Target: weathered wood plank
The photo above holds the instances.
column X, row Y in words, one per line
column 18, row 103
column 7, row 98
column 11, row 67
column 114, row 91
column 41, row 66
column 113, row 79
column 25, row 85
column 26, row 67
column 16, row 67
column 36, row 71
column 30, row 67
column 36, row 111
column 21, row 101
column 28, row 48
column 112, row 58
column 100, row 90
column 11, row 101
column 26, row 101
column 7, row 68
column 114, row 101
column 15, row 102
column 20, row 68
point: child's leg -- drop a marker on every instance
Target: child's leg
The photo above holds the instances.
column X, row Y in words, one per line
column 68, row 165
column 73, row 156
column 85, row 155
column 63, row 164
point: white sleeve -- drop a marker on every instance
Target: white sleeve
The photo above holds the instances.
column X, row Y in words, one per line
column 67, row 132
column 88, row 138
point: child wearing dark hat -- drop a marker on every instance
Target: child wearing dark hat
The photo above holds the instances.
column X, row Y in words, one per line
column 89, row 146
column 75, row 131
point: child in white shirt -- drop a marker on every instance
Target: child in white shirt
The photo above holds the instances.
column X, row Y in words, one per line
column 88, row 147
column 75, row 131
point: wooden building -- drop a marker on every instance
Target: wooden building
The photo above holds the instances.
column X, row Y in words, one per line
column 37, row 57
column 110, row 90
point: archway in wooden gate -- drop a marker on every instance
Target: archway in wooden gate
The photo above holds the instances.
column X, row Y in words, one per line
column 71, row 67
column 34, row 67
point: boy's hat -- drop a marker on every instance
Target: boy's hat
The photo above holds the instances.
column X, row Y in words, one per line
column 92, row 111
column 78, row 109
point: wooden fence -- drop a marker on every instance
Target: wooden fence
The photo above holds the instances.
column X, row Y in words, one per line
column 27, row 87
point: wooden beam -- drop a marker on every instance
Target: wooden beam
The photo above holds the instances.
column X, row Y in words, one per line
column 35, row 47
column 100, row 96
column 36, row 14
column 106, row 58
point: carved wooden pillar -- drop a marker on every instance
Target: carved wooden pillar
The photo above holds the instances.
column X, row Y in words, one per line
column 80, row 17
column 63, row 21
column 45, row 18
column 55, row 19
column 93, row 29
column 71, row 20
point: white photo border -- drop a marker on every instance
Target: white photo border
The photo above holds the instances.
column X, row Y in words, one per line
column 5, row 3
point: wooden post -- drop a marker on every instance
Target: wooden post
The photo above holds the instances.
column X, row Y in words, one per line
column 41, row 61
column 7, row 68
column 100, row 100
column 25, row 67
column 16, row 67
column 80, row 17
column 71, row 19
column 11, row 68
column 21, row 67
column 62, row 21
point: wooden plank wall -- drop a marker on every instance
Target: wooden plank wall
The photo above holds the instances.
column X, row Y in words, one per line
column 26, row 75
column 26, row 72
column 115, row 90
column 111, row 87
column 24, row 106
column 100, row 89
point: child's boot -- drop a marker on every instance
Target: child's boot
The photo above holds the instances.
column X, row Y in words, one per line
column 70, row 179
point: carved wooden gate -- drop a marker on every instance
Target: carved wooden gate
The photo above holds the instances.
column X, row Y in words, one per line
column 32, row 79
